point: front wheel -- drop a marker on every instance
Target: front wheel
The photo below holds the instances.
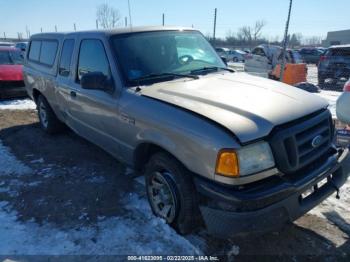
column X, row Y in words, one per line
column 171, row 193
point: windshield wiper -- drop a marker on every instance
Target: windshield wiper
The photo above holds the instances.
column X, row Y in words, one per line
column 163, row 75
column 211, row 68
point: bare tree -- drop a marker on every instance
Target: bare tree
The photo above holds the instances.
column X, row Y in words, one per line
column 312, row 40
column 251, row 34
column 107, row 16
column 259, row 25
column 245, row 33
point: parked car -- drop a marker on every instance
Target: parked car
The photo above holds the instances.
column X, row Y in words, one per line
column 6, row 44
column 224, row 53
column 334, row 64
column 322, row 49
column 237, row 55
column 343, row 104
column 265, row 61
column 343, row 114
column 11, row 77
column 311, row 55
column 22, row 46
column 232, row 149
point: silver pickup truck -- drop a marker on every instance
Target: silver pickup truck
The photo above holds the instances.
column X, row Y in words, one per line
column 233, row 152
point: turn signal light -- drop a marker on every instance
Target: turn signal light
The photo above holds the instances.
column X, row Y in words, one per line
column 227, row 164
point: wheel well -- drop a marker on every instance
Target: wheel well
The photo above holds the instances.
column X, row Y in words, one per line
column 36, row 94
column 144, row 152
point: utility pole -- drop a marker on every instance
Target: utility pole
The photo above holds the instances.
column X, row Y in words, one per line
column 285, row 42
column 55, row 28
column 75, row 27
column 4, row 35
column 126, row 22
column 96, row 24
column 214, row 33
column 130, row 21
column 27, row 32
column 163, row 19
column 41, row 29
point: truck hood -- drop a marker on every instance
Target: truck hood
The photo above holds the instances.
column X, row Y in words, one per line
column 248, row 106
column 11, row 73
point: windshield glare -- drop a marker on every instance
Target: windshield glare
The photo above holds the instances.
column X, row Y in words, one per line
column 149, row 53
column 11, row 58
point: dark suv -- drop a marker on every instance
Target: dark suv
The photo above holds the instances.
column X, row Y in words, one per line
column 334, row 64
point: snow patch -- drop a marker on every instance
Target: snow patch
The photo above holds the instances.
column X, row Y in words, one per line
column 9, row 164
column 331, row 97
column 37, row 161
column 138, row 231
column 17, row 104
column 336, row 210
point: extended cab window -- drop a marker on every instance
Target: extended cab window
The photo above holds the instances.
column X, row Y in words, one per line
column 66, row 57
column 43, row 51
column 34, row 52
column 92, row 58
column 48, row 52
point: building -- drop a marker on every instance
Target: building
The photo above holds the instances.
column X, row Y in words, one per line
column 337, row 38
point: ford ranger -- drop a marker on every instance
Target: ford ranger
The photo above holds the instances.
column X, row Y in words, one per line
column 235, row 152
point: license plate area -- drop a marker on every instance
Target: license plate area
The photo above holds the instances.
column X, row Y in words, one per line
column 343, row 137
column 310, row 191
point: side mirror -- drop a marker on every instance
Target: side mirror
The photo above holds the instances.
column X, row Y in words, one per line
column 96, row 81
column 224, row 60
column 343, row 109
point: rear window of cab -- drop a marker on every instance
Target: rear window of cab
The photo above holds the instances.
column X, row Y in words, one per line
column 43, row 51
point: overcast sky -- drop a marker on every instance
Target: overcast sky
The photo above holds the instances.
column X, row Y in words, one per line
column 309, row 17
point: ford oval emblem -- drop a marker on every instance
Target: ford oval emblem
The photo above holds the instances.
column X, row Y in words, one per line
column 316, row 142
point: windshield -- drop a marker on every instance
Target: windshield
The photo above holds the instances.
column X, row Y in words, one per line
column 156, row 53
column 11, row 58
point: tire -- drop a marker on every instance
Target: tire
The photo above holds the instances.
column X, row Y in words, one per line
column 48, row 120
column 184, row 215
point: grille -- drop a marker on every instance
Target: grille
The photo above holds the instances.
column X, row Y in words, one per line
column 298, row 145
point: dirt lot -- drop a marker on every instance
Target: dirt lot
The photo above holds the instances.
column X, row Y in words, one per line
column 72, row 186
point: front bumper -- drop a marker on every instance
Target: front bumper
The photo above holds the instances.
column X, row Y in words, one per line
column 334, row 73
column 270, row 204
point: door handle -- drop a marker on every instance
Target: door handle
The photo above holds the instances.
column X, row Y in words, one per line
column 73, row 94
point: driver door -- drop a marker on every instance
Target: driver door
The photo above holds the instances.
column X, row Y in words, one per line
column 93, row 114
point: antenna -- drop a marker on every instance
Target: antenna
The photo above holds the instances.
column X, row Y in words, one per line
column 130, row 21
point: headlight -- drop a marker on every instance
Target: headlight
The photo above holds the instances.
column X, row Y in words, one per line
column 245, row 161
